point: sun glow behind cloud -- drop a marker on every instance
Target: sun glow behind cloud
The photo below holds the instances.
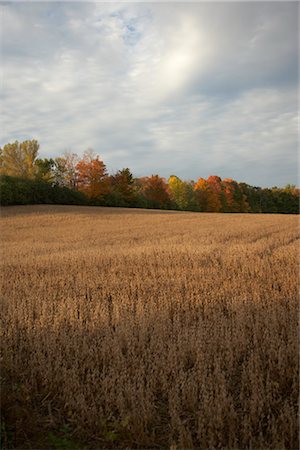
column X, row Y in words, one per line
column 181, row 59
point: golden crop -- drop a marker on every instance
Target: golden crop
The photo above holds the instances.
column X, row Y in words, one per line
column 148, row 329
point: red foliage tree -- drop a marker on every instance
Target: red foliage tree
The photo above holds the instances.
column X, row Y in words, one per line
column 92, row 177
column 234, row 199
column 155, row 191
column 214, row 193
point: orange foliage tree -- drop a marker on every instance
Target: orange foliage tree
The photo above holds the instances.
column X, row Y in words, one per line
column 214, row 193
column 209, row 194
column 92, row 178
column 201, row 194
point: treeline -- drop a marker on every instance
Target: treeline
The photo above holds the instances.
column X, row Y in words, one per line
column 27, row 179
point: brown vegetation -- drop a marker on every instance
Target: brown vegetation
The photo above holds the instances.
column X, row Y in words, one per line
column 148, row 329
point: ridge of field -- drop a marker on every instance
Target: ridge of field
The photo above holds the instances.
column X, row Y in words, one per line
column 148, row 329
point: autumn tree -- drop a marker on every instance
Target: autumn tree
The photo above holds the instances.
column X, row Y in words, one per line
column 215, row 194
column 209, row 194
column 92, row 177
column 155, row 191
column 201, row 194
column 182, row 193
column 18, row 159
column 234, row 200
column 122, row 192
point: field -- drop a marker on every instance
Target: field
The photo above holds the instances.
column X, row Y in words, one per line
column 148, row 329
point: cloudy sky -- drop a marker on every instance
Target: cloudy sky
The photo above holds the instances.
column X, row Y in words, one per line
column 192, row 89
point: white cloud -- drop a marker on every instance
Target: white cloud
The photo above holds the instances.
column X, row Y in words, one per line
column 193, row 89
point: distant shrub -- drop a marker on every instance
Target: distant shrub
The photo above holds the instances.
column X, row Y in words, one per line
column 21, row 191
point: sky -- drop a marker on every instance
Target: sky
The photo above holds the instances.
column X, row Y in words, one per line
column 192, row 89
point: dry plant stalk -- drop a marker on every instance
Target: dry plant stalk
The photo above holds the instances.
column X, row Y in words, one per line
column 149, row 329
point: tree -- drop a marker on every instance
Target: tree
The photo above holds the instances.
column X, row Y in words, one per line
column 18, row 159
column 30, row 151
column 155, row 192
column 92, row 177
column 234, row 200
column 182, row 193
column 44, row 169
column 1, row 162
column 68, row 167
column 253, row 195
column 201, row 194
column 214, row 193
column 122, row 188
column 60, row 172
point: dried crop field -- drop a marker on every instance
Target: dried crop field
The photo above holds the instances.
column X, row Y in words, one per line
column 148, row 329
